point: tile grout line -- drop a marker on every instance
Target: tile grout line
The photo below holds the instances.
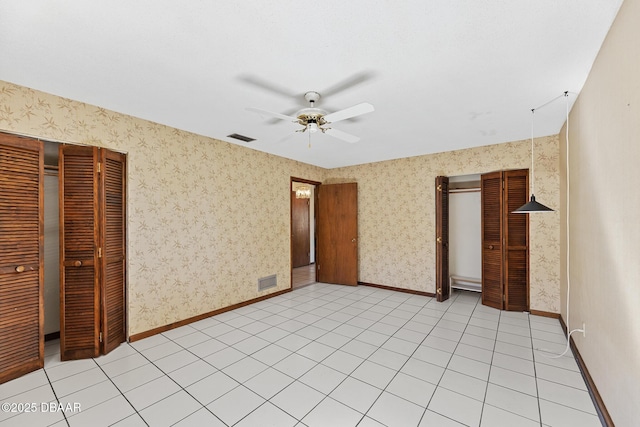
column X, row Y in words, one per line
column 167, row 374
column 122, row 394
column 535, row 373
column 493, row 352
column 447, row 367
column 64, row 414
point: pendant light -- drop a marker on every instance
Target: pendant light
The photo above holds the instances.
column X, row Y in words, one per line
column 534, row 206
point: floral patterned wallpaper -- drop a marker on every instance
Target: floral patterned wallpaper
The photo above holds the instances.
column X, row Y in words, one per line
column 197, row 242
column 396, row 212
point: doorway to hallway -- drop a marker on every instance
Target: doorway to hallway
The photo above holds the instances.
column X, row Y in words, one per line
column 303, row 233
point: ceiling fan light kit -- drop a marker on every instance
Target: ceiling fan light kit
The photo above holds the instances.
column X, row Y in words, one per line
column 316, row 120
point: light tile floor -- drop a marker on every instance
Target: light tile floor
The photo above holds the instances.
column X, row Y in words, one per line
column 322, row 355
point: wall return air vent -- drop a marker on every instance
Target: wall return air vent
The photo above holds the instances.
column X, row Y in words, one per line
column 267, row 282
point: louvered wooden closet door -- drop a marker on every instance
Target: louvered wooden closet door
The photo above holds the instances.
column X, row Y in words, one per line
column 21, row 256
column 442, row 238
column 516, row 250
column 112, row 183
column 79, row 280
column 492, row 213
column 505, row 240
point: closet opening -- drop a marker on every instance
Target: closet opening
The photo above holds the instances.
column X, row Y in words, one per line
column 465, row 233
column 481, row 245
column 62, row 251
column 51, row 243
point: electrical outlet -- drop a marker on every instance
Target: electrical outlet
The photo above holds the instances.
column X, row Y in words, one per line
column 584, row 329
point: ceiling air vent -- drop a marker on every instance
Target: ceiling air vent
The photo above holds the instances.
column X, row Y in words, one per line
column 241, row 137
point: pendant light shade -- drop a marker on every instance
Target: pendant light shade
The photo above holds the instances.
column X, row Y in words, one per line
column 533, row 206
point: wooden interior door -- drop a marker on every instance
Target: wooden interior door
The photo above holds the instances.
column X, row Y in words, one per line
column 442, row 238
column 492, row 215
column 79, row 257
column 516, row 241
column 337, row 234
column 21, row 256
column 113, row 239
column 300, row 238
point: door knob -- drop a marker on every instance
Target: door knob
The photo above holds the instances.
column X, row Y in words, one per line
column 491, row 247
column 20, row 268
column 439, row 240
column 77, row 263
column 353, row 240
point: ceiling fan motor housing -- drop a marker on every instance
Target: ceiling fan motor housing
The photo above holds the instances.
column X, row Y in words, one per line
column 312, row 97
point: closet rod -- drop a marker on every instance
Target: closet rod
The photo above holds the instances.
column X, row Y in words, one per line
column 465, row 190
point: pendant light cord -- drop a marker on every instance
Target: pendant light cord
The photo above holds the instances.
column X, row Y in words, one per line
column 533, row 175
column 568, row 260
column 565, row 93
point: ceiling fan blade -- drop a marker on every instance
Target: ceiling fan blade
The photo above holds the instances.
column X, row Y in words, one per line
column 347, row 137
column 271, row 87
column 272, row 114
column 289, row 112
column 347, row 83
column 347, row 113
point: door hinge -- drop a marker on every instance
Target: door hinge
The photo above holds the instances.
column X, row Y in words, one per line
column 99, row 252
column 99, row 167
column 318, row 267
column 504, row 298
column 100, row 336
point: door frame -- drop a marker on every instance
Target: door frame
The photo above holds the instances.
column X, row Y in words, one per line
column 293, row 179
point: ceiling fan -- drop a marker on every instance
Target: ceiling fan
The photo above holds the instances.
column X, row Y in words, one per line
column 317, row 120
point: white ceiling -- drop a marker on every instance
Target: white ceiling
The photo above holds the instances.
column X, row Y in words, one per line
column 442, row 74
